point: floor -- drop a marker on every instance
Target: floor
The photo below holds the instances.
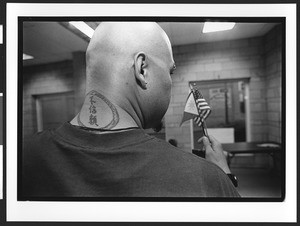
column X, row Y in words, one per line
column 258, row 183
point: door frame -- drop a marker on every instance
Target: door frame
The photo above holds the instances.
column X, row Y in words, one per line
column 39, row 109
column 247, row 104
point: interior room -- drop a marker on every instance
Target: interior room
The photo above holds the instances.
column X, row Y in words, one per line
column 238, row 69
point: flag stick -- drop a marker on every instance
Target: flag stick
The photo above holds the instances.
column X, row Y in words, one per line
column 204, row 129
column 192, row 133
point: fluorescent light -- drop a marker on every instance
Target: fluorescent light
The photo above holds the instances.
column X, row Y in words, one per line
column 27, row 57
column 83, row 27
column 217, row 26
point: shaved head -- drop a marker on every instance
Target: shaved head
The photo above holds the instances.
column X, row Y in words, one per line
column 114, row 45
column 130, row 62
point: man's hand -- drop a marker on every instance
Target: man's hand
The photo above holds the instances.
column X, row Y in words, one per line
column 214, row 152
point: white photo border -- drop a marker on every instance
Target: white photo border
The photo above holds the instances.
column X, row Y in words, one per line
column 151, row 211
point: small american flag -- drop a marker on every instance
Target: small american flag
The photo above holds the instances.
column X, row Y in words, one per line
column 196, row 108
column 202, row 106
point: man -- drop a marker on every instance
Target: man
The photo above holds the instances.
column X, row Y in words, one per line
column 104, row 151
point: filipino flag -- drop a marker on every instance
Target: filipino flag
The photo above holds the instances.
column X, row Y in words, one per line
column 196, row 107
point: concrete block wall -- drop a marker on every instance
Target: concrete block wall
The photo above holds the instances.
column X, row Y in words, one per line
column 43, row 79
column 273, row 67
column 227, row 60
column 212, row 61
column 255, row 58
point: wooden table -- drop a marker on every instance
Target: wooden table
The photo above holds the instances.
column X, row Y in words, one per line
column 251, row 148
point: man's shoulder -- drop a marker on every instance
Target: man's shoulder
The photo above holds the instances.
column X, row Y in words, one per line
column 195, row 172
column 36, row 137
column 36, row 145
column 177, row 155
column 43, row 136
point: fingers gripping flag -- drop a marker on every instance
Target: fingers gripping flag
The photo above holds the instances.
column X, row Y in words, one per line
column 196, row 108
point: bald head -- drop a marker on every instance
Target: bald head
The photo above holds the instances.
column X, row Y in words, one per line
column 135, row 59
column 114, row 44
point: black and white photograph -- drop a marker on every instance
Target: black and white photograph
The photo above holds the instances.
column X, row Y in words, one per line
column 149, row 110
column 101, row 100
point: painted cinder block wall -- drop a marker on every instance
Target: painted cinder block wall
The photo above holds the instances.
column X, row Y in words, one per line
column 273, row 65
column 250, row 58
column 43, row 79
column 258, row 58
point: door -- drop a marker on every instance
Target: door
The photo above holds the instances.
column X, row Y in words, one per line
column 227, row 101
column 54, row 109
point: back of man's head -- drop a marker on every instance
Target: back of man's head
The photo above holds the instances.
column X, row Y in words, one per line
column 130, row 63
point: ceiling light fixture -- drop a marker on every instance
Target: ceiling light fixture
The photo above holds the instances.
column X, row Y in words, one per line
column 83, row 27
column 27, row 57
column 217, row 26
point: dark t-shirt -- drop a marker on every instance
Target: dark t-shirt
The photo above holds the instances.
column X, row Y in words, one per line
column 72, row 162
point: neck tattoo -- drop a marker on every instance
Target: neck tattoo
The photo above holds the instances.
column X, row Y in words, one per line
column 92, row 119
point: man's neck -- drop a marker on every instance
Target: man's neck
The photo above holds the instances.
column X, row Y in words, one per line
column 98, row 112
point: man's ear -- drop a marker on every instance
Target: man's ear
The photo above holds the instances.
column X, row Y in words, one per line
column 140, row 66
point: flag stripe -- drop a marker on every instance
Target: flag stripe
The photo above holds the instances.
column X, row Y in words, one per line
column 200, row 99
column 196, row 104
column 203, row 108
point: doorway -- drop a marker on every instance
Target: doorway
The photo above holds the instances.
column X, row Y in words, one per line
column 229, row 102
column 54, row 109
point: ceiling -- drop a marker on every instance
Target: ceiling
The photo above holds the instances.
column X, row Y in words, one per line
column 51, row 42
